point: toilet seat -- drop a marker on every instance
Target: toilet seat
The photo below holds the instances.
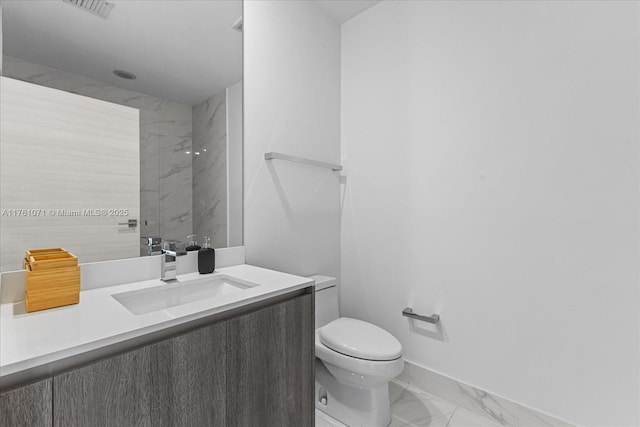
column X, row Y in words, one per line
column 368, row 372
column 362, row 340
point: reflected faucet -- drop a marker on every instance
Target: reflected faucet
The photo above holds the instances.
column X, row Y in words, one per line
column 169, row 260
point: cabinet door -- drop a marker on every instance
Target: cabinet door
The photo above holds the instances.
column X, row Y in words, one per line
column 270, row 366
column 188, row 379
column 112, row 392
column 27, row 406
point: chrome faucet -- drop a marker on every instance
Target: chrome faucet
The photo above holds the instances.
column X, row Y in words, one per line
column 169, row 260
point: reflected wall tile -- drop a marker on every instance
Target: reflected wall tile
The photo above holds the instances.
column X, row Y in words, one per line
column 175, row 174
column 210, row 170
column 175, row 195
column 149, row 214
column 149, row 154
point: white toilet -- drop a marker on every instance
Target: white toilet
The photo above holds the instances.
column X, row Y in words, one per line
column 355, row 361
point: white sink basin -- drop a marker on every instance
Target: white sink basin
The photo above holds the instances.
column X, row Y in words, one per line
column 147, row 300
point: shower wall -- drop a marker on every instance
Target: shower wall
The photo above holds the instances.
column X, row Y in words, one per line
column 0, row 39
column 165, row 146
column 210, row 170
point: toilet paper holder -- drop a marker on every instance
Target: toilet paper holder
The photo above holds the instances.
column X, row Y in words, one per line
column 408, row 312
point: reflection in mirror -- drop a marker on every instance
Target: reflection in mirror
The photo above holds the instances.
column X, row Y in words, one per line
column 178, row 66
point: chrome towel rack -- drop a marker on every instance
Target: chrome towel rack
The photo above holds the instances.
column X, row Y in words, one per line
column 280, row 156
column 408, row 312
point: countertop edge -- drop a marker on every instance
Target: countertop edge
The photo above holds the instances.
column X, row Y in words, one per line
column 29, row 371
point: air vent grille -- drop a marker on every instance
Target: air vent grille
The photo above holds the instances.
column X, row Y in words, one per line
column 99, row 8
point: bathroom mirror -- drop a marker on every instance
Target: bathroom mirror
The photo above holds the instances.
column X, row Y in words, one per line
column 179, row 64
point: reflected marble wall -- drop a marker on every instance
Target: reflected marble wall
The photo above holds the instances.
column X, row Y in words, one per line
column 165, row 138
column 1, row 40
column 210, row 170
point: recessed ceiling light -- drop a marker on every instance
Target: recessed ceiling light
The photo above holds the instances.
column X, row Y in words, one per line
column 124, row 74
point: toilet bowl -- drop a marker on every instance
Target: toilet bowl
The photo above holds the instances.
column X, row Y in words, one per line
column 355, row 360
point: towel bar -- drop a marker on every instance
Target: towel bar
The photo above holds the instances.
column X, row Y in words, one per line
column 280, row 156
column 434, row 318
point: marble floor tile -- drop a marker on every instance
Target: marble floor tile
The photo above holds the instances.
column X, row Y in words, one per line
column 323, row 420
column 398, row 421
column 412, row 407
column 463, row 418
column 416, row 406
column 493, row 408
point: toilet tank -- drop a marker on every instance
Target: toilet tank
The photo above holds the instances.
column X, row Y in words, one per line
column 326, row 300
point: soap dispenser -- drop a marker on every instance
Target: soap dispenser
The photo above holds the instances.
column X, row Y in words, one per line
column 206, row 258
column 193, row 245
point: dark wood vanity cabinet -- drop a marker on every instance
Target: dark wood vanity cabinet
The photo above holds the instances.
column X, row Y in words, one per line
column 254, row 369
column 27, row 406
column 112, row 392
column 270, row 366
column 188, row 379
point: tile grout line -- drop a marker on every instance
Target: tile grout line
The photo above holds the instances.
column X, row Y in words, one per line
column 451, row 417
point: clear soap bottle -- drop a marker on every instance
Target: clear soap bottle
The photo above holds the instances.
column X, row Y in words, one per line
column 192, row 245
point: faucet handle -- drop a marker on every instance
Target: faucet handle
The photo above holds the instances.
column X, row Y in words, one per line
column 174, row 247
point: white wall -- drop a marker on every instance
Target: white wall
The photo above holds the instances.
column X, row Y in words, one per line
column 291, row 105
column 493, row 177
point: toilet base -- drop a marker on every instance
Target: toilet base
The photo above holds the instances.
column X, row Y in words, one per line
column 350, row 405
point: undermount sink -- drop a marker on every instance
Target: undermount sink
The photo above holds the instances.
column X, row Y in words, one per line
column 147, row 300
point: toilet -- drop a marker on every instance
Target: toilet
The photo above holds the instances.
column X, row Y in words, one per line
column 355, row 361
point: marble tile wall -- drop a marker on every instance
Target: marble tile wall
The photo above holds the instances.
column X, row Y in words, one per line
column 210, row 170
column 493, row 408
column 165, row 139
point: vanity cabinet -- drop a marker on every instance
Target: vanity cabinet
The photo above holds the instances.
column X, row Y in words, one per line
column 27, row 406
column 188, row 378
column 251, row 369
column 112, row 392
column 270, row 366
column 176, row 382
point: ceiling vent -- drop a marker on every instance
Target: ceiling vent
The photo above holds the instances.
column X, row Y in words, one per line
column 99, row 8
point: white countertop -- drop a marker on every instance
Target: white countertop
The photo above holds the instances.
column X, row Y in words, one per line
column 31, row 340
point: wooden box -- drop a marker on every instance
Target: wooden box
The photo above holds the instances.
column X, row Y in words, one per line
column 45, row 251
column 52, row 279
